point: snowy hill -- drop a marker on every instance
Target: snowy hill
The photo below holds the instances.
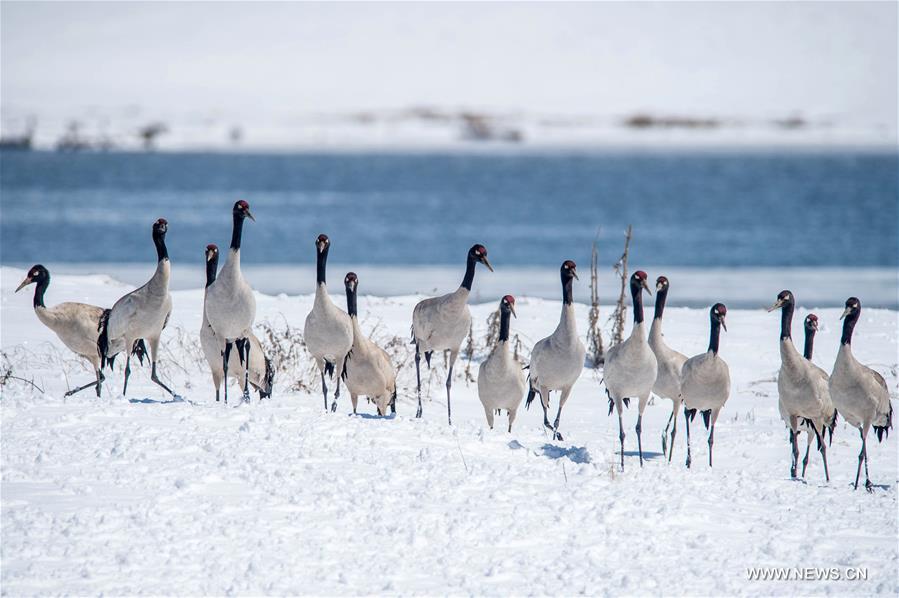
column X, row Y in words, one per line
column 144, row 495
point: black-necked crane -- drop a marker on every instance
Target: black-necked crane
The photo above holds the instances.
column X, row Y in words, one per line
column 500, row 380
column 262, row 373
column 670, row 363
column 328, row 331
column 859, row 393
column 367, row 370
column 558, row 360
column 75, row 324
column 441, row 323
column 229, row 303
column 705, row 383
column 803, row 397
column 630, row 369
column 141, row 314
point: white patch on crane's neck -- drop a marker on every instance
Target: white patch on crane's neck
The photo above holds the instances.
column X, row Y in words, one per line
column 358, row 337
column 639, row 331
column 655, row 330
column 322, row 298
column 789, row 355
column 567, row 322
column 46, row 316
column 845, row 358
column 160, row 280
column 461, row 294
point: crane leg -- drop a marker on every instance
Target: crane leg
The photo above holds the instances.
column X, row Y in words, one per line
column 562, row 399
column 805, row 458
column 863, row 456
column 673, row 429
column 418, row 377
column 822, row 446
column 324, row 388
column 158, row 381
column 794, row 450
column 337, row 393
column 245, row 357
column 449, row 385
column 687, row 414
column 88, row 385
column 665, row 435
column 226, row 355
column 127, row 374
column 639, row 437
column 621, row 434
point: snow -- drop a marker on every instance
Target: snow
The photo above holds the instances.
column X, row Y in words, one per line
column 145, row 495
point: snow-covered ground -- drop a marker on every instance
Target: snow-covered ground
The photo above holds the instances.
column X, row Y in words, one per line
column 144, row 495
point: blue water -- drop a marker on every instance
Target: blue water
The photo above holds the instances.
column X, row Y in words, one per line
column 688, row 209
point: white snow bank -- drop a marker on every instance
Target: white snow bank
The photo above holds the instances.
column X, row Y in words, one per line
column 736, row 287
column 141, row 494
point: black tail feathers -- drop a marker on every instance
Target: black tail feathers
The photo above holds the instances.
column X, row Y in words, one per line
column 345, row 368
column 265, row 393
column 139, row 350
column 532, row 392
column 103, row 338
column 884, row 430
column 329, row 369
column 706, row 417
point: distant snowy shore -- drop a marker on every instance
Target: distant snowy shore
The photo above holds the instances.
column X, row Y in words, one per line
column 144, row 495
column 444, row 128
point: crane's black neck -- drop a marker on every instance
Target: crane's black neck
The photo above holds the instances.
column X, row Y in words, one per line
column 637, row 296
column 786, row 320
column 567, row 288
column 351, row 301
column 39, row 289
column 714, row 335
column 211, row 270
column 505, row 317
column 848, row 326
column 469, row 272
column 237, row 231
column 809, row 343
column 321, row 262
column 661, row 297
column 162, row 253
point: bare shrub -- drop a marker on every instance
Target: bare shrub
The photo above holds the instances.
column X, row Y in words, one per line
column 620, row 314
column 595, row 350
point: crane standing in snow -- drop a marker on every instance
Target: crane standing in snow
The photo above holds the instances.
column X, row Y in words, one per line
column 859, row 393
column 441, row 323
column 631, row 367
column 142, row 313
column 558, row 360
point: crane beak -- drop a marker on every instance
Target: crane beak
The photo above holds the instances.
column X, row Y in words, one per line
column 24, row 284
column 574, row 273
column 723, row 325
column 815, row 326
column 846, row 312
column 777, row 305
column 659, row 287
column 250, row 216
column 646, row 286
column 486, row 263
column 512, row 307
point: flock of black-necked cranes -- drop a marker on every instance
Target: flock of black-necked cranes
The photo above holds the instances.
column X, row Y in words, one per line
column 809, row 399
